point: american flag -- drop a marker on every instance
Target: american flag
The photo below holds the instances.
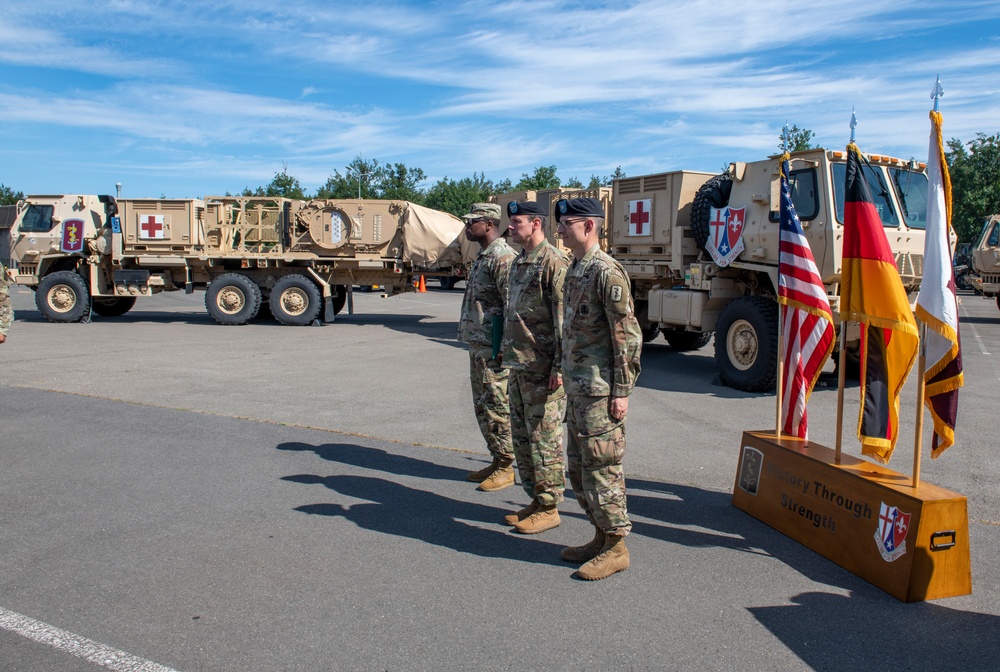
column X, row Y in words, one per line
column 806, row 318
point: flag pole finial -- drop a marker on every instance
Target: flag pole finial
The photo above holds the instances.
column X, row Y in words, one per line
column 854, row 124
column 937, row 92
column 784, row 137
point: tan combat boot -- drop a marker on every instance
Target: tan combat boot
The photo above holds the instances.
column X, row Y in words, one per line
column 612, row 558
column 483, row 474
column 589, row 551
column 545, row 518
column 518, row 516
column 502, row 477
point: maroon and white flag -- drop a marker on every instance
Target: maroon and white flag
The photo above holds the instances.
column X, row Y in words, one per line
column 937, row 305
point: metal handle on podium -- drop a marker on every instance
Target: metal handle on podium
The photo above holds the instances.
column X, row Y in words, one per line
column 935, row 546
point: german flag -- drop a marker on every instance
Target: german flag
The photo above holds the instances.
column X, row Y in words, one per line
column 872, row 294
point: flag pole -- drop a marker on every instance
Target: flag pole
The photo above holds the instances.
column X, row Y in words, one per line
column 781, row 348
column 842, row 355
column 918, row 427
column 918, row 439
column 841, row 380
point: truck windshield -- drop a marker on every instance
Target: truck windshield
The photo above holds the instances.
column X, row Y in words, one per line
column 911, row 190
column 36, row 219
column 879, row 189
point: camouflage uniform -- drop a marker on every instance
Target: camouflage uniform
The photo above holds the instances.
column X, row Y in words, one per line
column 486, row 288
column 601, row 346
column 6, row 310
column 532, row 350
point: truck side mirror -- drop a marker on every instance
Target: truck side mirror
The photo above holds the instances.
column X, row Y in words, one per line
column 110, row 205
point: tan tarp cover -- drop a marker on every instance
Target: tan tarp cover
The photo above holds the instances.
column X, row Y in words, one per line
column 434, row 240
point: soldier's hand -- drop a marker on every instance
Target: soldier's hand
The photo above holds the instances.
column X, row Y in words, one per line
column 619, row 407
column 2, row 338
column 555, row 381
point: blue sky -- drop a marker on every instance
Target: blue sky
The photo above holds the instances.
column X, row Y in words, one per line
column 191, row 99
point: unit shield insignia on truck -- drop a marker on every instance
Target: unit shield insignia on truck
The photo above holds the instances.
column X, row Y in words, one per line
column 890, row 536
column 640, row 215
column 72, row 236
column 725, row 242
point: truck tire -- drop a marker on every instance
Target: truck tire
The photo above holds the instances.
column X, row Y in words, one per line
column 112, row 306
column 295, row 300
column 687, row 340
column 746, row 343
column 339, row 299
column 448, row 282
column 649, row 329
column 232, row 298
column 63, row 296
column 713, row 194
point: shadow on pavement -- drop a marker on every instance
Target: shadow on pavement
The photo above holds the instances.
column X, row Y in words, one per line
column 837, row 632
column 719, row 524
column 377, row 459
column 426, row 516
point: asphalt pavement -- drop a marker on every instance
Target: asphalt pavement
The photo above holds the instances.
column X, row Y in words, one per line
column 180, row 495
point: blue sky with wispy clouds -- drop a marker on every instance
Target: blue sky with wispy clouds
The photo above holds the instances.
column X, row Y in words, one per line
column 189, row 99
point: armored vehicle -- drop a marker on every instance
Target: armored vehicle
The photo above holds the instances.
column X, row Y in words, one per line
column 301, row 259
column 986, row 260
column 702, row 249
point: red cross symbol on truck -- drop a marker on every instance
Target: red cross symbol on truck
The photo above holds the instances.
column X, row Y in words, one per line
column 639, row 217
column 151, row 228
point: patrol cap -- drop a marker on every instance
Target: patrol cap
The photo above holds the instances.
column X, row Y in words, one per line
column 526, row 208
column 483, row 211
column 579, row 207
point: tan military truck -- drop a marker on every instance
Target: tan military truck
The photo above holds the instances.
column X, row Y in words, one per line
column 985, row 257
column 85, row 253
column 702, row 249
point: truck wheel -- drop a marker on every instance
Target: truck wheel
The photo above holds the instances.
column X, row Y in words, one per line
column 746, row 343
column 339, row 299
column 713, row 194
column 650, row 330
column 687, row 340
column 232, row 298
column 112, row 306
column 448, row 282
column 63, row 296
column 295, row 300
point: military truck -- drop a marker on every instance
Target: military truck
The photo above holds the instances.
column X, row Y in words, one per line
column 986, row 260
column 301, row 259
column 702, row 249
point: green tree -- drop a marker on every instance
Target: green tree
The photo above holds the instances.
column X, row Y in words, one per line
column 544, row 177
column 457, row 196
column 573, row 183
column 504, row 186
column 399, row 182
column 8, row 196
column 285, row 185
column 975, row 180
column 798, row 139
column 361, row 179
column 597, row 181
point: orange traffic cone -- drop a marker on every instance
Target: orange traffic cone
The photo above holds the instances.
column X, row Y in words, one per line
column 422, row 287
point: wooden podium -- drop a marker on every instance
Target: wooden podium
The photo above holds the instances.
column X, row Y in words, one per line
column 913, row 543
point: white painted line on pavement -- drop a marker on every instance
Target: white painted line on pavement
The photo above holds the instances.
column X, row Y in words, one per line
column 975, row 332
column 78, row 646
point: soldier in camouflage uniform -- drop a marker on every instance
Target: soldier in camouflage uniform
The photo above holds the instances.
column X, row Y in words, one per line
column 481, row 326
column 601, row 346
column 6, row 310
column 532, row 350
